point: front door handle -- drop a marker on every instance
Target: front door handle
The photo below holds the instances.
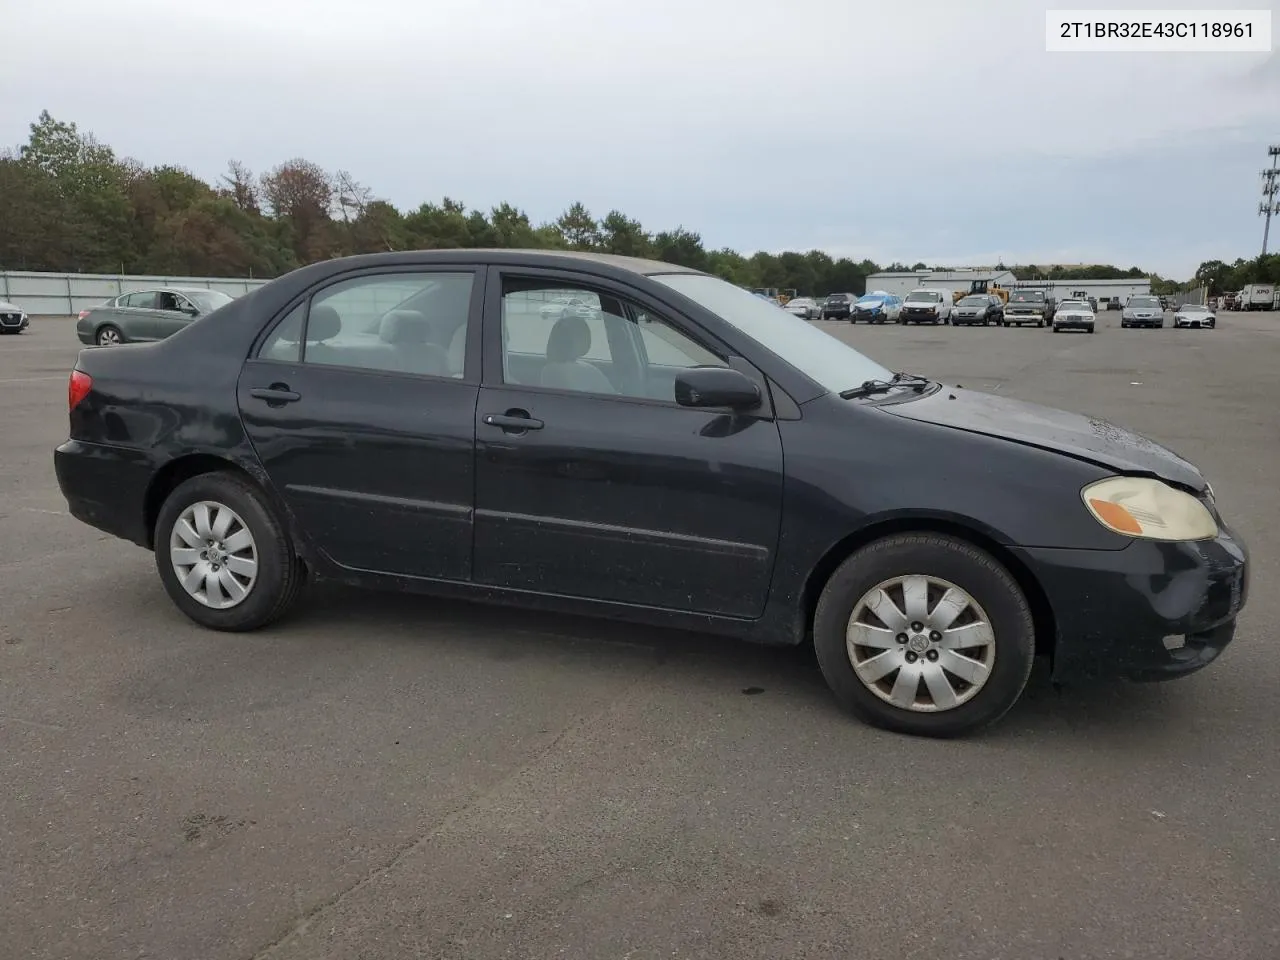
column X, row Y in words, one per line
column 513, row 421
column 276, row 393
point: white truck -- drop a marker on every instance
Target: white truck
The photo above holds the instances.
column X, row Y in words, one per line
column 1258, row 296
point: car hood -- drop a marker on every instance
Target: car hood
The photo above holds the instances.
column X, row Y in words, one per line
column 8, row 307
column 1071, row 434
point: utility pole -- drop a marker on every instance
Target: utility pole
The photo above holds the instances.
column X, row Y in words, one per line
column 1270, row 186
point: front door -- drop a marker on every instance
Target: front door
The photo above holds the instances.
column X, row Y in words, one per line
column 591, row 481
column 361, row 406
column 173, row 312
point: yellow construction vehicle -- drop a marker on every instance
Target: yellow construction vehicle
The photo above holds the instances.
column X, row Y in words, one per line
column 978, row 287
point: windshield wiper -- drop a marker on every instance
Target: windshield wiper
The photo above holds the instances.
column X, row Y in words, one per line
column 871, row 387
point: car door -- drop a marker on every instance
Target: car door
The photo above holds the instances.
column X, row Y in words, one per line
column 591, row 481
column 134, row 315
column 360, row 403
column 173, row 312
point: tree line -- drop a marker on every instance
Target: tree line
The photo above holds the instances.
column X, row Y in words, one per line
column 69, row 204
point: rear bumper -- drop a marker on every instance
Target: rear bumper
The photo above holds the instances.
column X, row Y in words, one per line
column 106, row 487
column 1152, row 611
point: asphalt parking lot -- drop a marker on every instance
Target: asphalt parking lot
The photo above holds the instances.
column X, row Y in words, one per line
column 383, row 776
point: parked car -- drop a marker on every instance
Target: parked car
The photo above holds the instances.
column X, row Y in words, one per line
column 838, row 306
column 13, row 319
column 926, row 306
column 681, row 459
column 561, row 306
column 1194, row 315
column 145, row 315
column 1027, row 306
column 978, row 308
column 1073, row 315
column 1142, row 312
column 878, row 307
column 804, row 307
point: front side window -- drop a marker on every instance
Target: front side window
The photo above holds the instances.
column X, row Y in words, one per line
column 592, row 342
column 828, row 361
column 398, row 323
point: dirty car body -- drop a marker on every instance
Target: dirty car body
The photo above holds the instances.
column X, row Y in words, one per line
column 688, row 456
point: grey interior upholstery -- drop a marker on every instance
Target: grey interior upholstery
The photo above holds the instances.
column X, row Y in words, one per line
column 458, row 351
column 569, row 342
column 413, row 336
column 323, row 323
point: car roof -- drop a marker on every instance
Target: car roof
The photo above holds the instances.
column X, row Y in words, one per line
column 565, row 259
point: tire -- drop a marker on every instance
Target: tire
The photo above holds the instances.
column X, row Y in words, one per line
column 108, row 335
column 996, row 599
column 1004, row 323
column 279, row 572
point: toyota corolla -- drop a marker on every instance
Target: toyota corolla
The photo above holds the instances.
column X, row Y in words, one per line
column 681, row 453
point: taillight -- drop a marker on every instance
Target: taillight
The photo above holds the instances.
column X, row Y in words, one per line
column 78, row 388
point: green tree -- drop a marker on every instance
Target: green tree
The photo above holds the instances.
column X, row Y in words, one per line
column 579, row 228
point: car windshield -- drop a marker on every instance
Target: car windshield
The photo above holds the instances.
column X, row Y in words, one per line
column 973, row 302
column 831, row 363
column 1027, row 296
column 1143, row 302
column 1073, row 305
column 837, row 298
column 871, row 298
column 208, row 300
column 924, row 296
column 1194, row 308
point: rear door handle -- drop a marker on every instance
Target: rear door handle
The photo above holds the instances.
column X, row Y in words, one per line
column 278, row 394
column 512, row 424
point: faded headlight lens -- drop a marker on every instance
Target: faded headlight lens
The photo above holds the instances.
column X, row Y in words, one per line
column 1148, row 509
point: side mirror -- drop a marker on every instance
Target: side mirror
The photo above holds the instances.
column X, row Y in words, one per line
column 189, row 310
column 716, row 387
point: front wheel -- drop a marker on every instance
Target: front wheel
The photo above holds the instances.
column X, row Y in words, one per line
column 224, row 555
column 924, row 634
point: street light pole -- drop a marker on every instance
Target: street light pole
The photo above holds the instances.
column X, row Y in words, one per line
column 1270, row 186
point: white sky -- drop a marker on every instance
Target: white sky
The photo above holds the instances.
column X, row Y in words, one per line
column 911, row 130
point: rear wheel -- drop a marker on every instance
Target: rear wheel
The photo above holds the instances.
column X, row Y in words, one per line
column 108, row 336
column 224, row 556
column 924, row 634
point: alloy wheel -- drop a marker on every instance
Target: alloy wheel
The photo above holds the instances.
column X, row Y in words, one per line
column 921, row 643
column 108, row 337
column 213, row 554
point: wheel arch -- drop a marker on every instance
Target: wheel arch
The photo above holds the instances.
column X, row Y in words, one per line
column 1041, row 610
column 184, row 467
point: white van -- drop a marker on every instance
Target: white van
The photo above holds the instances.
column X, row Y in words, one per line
column 926, row 305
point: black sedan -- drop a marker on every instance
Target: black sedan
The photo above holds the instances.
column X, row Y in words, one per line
column 680, row 454
column 838, row 306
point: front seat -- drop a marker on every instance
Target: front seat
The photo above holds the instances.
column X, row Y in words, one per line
column 411, row 333
column 565, row 369
column 323, row 323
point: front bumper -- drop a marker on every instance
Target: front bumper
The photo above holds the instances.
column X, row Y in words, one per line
column 1114, row 610
column 1024, row 317
column 835, row 313
column 1068, row 323
column 921, row 316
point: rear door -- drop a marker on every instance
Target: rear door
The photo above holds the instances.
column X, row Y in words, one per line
column 591, row 481
column 360, row 403
column 134, row 314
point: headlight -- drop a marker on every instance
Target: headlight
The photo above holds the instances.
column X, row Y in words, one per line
column 1148, row 509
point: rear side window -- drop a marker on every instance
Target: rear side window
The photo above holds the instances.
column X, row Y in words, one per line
column 397, row 323
column 146, row 300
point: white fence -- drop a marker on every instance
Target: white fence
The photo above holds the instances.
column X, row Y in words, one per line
column 65, row 294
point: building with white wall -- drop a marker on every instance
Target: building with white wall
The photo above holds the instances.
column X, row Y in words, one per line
column 900, row 284
column 1104, row 291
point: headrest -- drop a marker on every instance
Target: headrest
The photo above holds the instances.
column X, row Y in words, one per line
column 570, row 340
column 322, row 323
column 404, row 327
